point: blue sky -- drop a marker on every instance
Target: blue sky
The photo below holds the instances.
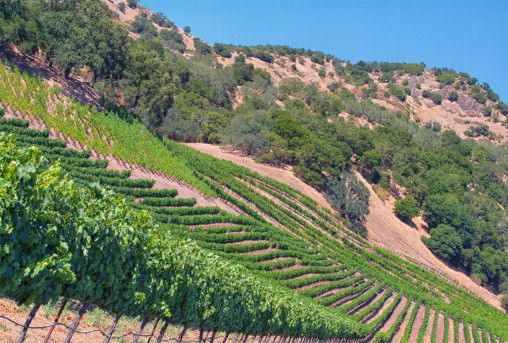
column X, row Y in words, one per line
column 470, row 36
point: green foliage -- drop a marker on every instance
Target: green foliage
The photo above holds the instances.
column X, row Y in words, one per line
column 186, row 29
column 478, row 95
column 201, row 47
column 444, row 242
column 453, row 96
column 171, row 35
column 222, row 50
column 147, row 83
column 446, row 79
column 487, row 111
column 372, row 159
column 414, row 68
column 349, row 197
column 104, row 50
column 132, row 3
column 63, row 266
column 435, row 97
column 121, row 7
column 397, row 92
column 477, row 131
column 143, row 26
column 160, row 19
column 406, row 208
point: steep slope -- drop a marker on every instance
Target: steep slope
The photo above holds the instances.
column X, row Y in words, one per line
column 457, row 115
column 384, row 229
column 283, row 235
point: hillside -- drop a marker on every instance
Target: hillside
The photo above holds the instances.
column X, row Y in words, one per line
column 397, row 94
column 272, row 236
column 457, row 115
column 296, row 237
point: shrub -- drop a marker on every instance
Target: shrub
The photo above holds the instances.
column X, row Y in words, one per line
column 222, row 50
column 121, row 7
column 293, row 66
column 160, row 19
column 132, row 3
column 503, row 108
column 492, row 96
column 398, row 92
column 333, row 86
column 406, row 208
column 405, row 82
column 240, row 58
column 264, row 56
column 436, row 98
column 318, row 57
column 186, row 29
column 476, row 131
column 458, row 84
column 201, row 47
column 479, row 97
column 322, row 72
column 386, row 77
column 446, row 79
column 418, row 85
column 414, row 69
column 487, row 111
column 453, row 96
column 349, row 196
column 173, row 36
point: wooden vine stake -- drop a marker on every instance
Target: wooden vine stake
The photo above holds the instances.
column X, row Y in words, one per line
column 24, row 329
column 200, row 335
column 182, row 333
column 112, row 328
column 163, row 330
column 225, row 337
column 140, row 331
column 75, row 322
column 153, row 330
column 213, row 335
column 57, row 318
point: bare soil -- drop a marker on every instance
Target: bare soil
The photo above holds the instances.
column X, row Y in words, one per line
column 368, row 302
column 402, row 328
column 440, row 328
column 417, row 323
column 396, row 312
column 462, row 337
column 430, row 327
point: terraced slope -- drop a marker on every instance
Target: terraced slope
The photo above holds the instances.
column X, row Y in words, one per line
column 279, row 234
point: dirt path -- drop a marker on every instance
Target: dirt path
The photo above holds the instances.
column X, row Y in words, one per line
column 393, row 317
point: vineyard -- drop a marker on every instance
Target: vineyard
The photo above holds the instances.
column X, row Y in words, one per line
column 276, row 266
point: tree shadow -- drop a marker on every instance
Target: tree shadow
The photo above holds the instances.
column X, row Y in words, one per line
column 36, row 66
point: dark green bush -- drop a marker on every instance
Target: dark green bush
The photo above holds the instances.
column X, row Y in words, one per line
column 487, row 111
column 406, row 208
